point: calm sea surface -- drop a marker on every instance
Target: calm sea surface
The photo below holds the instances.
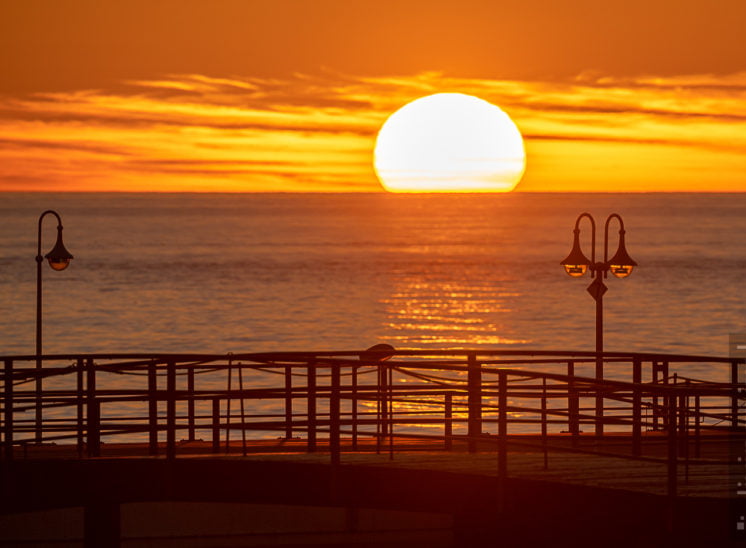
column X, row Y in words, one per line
column 254, row 272
column 240, row 273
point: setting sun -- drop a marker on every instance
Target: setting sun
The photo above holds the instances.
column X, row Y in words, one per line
column 449, row 142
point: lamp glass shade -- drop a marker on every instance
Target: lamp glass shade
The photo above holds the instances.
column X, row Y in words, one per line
column 59, row 258
column 576, row 263
column 621, row 270
column 621, row 264
column 575, row 270
column 59, row 264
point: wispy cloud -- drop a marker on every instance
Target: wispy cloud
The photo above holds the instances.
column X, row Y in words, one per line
column 194, row 132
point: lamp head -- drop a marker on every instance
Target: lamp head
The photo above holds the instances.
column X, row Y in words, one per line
column 59, row 258
column 576, row 263
column 621, row 264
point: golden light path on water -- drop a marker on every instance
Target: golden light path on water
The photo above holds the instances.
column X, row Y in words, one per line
column 454, row 314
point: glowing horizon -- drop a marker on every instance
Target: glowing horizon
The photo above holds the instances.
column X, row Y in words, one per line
column 238, row 136
column 248, row 97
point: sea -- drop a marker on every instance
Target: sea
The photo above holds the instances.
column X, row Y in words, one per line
column 222, row 273
column 219, row 273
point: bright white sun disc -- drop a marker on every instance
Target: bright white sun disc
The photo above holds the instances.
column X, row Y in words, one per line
column 449, row 142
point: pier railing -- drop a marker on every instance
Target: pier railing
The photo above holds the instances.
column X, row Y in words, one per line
column 340, row 402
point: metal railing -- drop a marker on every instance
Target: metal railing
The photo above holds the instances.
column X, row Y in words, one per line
column 359, row 401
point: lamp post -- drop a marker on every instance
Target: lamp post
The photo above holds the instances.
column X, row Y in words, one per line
column 620, row 265
column 59, row 259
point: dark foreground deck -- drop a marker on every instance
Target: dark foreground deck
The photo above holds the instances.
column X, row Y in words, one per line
column 591, row 461
column 447, row 450
column 422, row 496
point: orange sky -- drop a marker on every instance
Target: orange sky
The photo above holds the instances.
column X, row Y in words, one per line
column 288, row 96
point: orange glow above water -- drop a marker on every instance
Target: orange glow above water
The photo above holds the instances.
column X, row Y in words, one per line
column 250, row 96
column 242, row 136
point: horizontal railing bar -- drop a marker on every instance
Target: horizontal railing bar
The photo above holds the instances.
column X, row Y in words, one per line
column 315, row 356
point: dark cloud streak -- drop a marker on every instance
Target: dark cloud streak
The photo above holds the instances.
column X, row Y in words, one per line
column 142, row 121
column 702, row 145
column 64, row 145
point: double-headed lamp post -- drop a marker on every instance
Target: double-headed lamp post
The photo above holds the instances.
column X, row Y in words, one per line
column 59, row 259
column 620, row 265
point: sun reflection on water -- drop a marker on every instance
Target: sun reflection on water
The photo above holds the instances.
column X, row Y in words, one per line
column 449, row 313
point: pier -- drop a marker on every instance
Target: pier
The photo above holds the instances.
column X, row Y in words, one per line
column 523, row 445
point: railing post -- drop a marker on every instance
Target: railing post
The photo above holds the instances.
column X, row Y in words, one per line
column 659, row 367
column 664, row 370
column 334, row 448
column 80, row 405
column 502, row 437
column 353, row 405
column 697, row 421
column 384, row 399
column 683, row 445
column 654, row 380
column 288, row 402
column 636, row 407
column 684, row 423
column 474, row 387
column 599, row 422
column 243, row 414
column 390, row 411
column 382, row 406
column 228, row 400
column 39, row 389
column 8, row 410
column 311, row 406
column 672, row 446
column 734, row 423
column 216, row 425
column 448, row 421
column 171, row 410
column 544, row 421
column 191, row 429
column 573, row 405
column 93, row 411
column 152, row 409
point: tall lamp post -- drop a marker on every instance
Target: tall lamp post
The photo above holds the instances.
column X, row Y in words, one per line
column 620, row 265
column 59, row 259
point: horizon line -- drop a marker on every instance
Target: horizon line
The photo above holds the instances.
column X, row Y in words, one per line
column 383, row 192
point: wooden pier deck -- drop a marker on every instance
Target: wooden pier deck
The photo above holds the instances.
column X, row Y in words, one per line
column 713, row 475
column 578, row 499
column 483, row 445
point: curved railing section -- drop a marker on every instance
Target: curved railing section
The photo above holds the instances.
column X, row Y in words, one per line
column 663, row 405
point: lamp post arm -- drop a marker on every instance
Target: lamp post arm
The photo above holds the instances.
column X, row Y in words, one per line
column 606, row 233
column 593, row 238
column 39, row 258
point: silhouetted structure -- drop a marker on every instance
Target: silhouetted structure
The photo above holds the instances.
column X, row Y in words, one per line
column 59, row 259
column 620, row 265
column 346, row 402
